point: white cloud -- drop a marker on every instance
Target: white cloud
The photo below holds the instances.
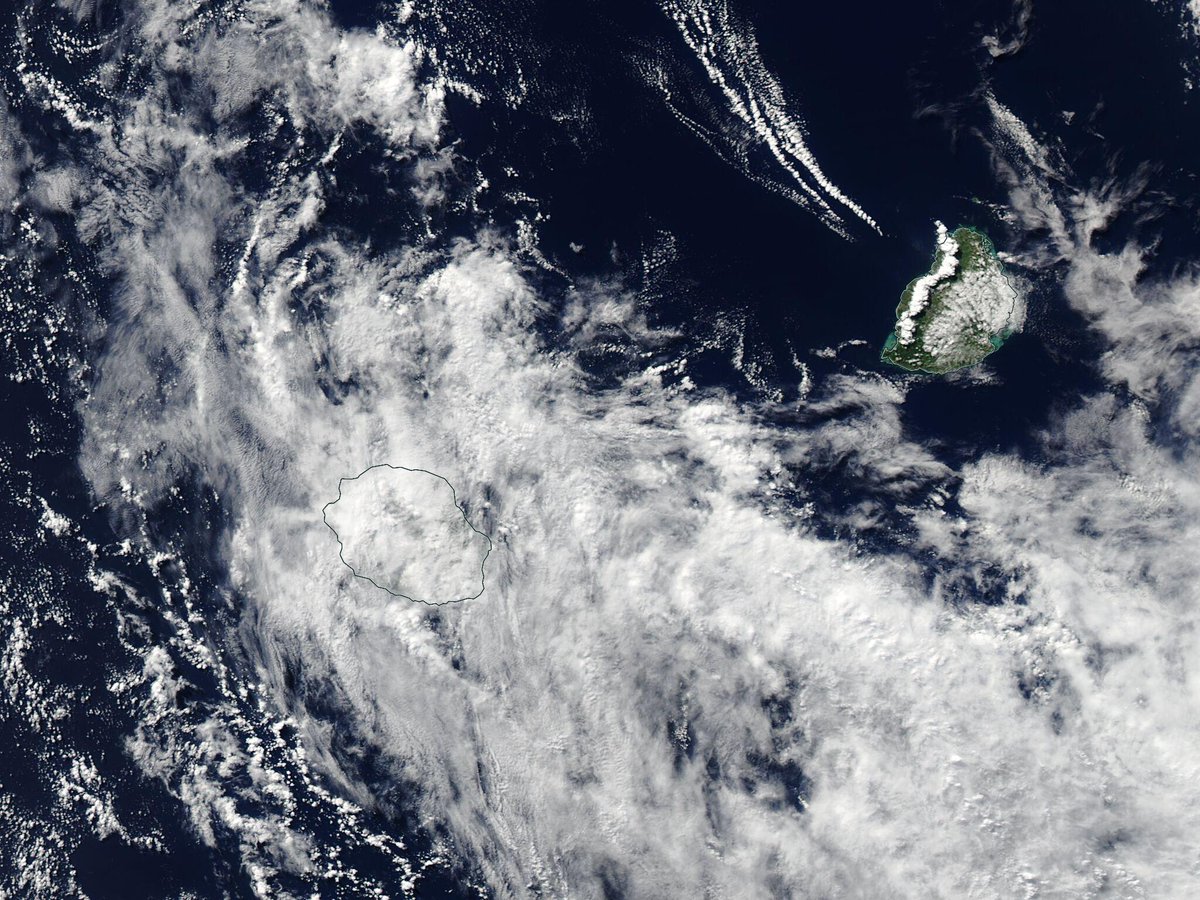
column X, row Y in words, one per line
column 404, row 531
column 947, row 253
column 672, row 683
column 728, row 51
column 998, row 47
column 640, row 582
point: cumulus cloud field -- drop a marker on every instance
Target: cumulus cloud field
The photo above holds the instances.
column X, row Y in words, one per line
column 675, row 684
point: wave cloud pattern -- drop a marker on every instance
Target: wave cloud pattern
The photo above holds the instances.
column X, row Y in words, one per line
column 728, row 52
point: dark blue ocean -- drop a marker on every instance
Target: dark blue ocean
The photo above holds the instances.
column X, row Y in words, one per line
column 894, row 101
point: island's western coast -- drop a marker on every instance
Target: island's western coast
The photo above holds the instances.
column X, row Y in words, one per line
column 962, row 310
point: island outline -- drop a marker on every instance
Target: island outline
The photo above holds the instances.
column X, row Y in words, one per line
column 454, row 496
column 996, row 340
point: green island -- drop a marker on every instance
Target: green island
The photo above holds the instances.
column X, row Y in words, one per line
column 963, row 309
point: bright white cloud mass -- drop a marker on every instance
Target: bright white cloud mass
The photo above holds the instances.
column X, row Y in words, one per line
column 403, row 531
column 675, row 684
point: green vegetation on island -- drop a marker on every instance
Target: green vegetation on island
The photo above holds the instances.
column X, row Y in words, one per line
column 963, row 309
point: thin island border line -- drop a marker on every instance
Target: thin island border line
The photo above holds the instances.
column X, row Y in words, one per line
column 457, row 505
column 1003, row 274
